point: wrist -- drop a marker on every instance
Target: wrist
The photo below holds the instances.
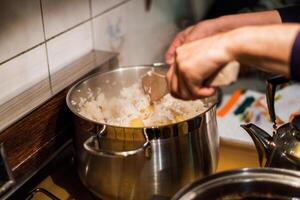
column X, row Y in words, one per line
column 232, row 44
column 230, row 22
column 240, row 42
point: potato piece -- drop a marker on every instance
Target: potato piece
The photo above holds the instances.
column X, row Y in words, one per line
column 136, row 122
column 179, row 117
column 149, row 109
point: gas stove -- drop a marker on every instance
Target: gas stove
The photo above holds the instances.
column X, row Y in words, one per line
column 58, row 179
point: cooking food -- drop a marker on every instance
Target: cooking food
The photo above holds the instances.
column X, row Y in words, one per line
column 132, row 108
column 119, row 162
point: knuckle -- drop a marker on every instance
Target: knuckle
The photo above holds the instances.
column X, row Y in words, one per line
column 180, row 60
column 184, row 69
column 179, row 50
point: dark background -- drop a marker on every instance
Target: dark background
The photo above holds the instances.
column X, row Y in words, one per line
column 225, row 7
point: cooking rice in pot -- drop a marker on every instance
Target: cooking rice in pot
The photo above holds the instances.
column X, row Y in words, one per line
column 132, row 108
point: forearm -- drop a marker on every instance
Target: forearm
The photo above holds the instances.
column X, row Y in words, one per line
column 267, row 47
column 231, row 22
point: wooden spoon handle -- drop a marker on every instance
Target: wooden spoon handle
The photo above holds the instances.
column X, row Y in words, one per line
column 156, row 86
column 225, row 76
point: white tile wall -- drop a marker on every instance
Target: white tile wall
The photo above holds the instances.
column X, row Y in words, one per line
column 140, row 37
column 60, row 15
column 22, row 72
column 69, row 46
column 99, row 6
column 20, row 26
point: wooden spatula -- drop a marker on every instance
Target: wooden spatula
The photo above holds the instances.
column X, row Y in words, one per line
column 155, row 84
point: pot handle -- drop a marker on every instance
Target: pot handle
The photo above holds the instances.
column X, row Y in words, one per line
column 102, row 152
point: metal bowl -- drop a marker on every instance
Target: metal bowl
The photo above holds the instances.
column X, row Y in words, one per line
column 256, row 183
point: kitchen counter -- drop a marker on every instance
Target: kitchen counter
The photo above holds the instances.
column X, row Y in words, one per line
column 235, row 155
column 61, row 181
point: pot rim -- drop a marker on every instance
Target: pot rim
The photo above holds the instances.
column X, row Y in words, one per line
column 239, row 174
column 122, row 68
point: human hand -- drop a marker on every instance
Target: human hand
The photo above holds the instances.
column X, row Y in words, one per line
column 293, row 115
column 211, row 27
column 195, row 62
column 257, row 46
column 201, row 30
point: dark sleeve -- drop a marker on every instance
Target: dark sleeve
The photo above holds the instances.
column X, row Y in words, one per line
column 290, row 14
column 295, row 60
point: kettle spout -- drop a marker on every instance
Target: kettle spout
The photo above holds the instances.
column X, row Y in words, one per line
column 262, row 141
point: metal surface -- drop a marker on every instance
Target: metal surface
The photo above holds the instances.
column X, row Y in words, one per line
column 256, row 183
column 283, row 149
column 6, row 177
column 93, row 145
column 48, row 194
column 272, row 83
column 177, row 153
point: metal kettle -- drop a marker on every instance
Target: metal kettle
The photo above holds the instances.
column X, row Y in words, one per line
column 281, row 150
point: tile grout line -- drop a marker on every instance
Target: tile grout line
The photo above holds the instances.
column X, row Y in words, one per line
column 92, row 29
column 59, row 34
column 46, row 47
column 110, row 9
column 23, row 52
column 45, row 40
column 92, row 23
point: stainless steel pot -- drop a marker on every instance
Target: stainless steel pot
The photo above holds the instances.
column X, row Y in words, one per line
column 255, row 183
column 139, row 163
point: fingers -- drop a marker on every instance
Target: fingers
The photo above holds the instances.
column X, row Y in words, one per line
column 181, row 87
column 183, row 91
column 293, row 115
column 172, row 82
column 174, row 85
column 197, row 90
column 194, row 62
column 178, row 41
column 205, row 92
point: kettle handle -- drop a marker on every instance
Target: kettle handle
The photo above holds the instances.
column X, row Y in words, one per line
column 272, row 83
